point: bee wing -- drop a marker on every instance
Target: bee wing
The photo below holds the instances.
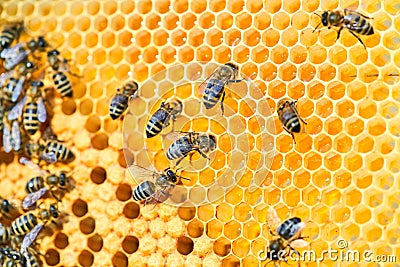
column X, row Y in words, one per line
column 223, row 80
column 11, row 51
column 18, row 88
column 4, row 77
column 13, row 61
column 272, row 218
column 16, row 136
column 141, row 174
column 174, row 136
column 32, row 165
column 32, row 198
column 41, row 110
column 49, row 157
column 7, row 138
column 16, row 111
column 298, row 243
column 203, row 85
column 29, row 238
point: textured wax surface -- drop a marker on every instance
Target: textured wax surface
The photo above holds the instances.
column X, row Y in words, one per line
column 341, row 177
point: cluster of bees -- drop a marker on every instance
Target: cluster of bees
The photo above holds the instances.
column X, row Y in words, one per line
column 25, row 111
column 20, row 227
column 158, row 184
column 24, row 99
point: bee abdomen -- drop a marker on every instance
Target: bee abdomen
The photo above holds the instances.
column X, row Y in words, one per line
column 156, row 123
column 23, row 224
column 30, row 118
column 118, row 105
column 213, row 93
column 63, row 84
column 62, row 152
column 179, row 149
column 291, row 122
column 34, row 184
column 6, row 236
column 143, row 191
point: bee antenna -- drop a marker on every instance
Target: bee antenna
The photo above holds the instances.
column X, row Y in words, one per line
column 317, row 14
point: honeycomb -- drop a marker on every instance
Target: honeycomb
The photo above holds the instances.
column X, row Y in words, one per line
column 341, row 177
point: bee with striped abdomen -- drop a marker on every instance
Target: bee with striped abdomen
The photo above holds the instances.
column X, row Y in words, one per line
column 29, row 221
column 354, row 21
column 289, row 116
column 10, row 32
column 120, row 101
column 161, row 118
column 213, row 88
column 288, row 233
column 37, row 186
column 34, row 110
column 60, row 79
column 186, row 143
column 14, row 55
column 51, row 151
column 155, row 185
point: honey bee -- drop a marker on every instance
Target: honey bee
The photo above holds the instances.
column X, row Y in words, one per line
column 186, row 143
column 119, row 102
column 14, row 55
column 38, row 186
column 155, row 185
column 32, row 105
column 30, row 221
column 354, row 21
column 12, row 138
column 213, row 88
column 288, row 233
column 51, row 151
column 10, row 32
column 289, row 116
column 161, row 118
column 61, row 81
column 12, row 90
column 30, row 224
column 10, row 257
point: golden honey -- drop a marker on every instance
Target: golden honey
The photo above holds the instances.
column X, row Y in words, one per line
column 340, row 177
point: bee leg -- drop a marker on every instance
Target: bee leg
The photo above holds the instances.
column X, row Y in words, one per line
column 222, row 103
column 302, row 120
column 202, row 154
column 338, row 33
column 359, row 39
column 294, row 140
column 179, row 161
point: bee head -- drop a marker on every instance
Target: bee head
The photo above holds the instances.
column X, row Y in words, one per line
column 42, row 42
column 53, row 211
column 53, row 52
column 324, row 18
column 171, row 176
column 63, row 179
column 274, row 250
